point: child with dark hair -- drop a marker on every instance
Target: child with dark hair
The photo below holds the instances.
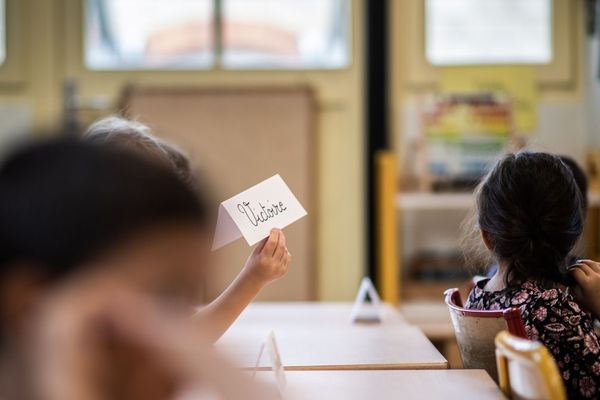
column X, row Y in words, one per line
column 268, row 262
column 530, row 215
column 582, row 184
column 100, row 250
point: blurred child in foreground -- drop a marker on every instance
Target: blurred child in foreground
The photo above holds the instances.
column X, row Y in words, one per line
column 100, row 251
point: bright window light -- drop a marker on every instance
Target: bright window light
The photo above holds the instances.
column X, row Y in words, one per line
column 143, row 34
column 472, row 32
column 2, row 31
column 282, row 34
column 181, row 34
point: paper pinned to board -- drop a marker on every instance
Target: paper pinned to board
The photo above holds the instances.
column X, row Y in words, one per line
column 255, row 211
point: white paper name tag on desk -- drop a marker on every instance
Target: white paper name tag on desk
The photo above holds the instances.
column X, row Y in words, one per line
column 270, row 346
column 363, row 311
column 254, row 212
column 276, row 363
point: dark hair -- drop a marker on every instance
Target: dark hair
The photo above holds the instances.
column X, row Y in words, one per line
column 580, row 178
column 64, row 201
column 530, row 208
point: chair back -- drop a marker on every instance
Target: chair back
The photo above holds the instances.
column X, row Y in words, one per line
column 527, row 370
column 475, row 331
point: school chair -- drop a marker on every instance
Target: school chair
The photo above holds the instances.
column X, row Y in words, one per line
column 527, row 369
column 475, row 331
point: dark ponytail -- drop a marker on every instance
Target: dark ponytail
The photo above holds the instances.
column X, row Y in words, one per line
column 531, row 209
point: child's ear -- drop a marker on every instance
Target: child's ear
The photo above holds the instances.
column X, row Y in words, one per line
column 486, row 239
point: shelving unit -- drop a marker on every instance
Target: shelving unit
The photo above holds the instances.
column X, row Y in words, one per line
column 423, row 201
column 433, row 201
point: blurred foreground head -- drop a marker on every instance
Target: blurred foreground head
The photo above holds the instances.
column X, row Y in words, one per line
column 95, row 240
column 68, row 207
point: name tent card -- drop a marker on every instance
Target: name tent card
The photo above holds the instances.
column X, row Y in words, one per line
column 363, row 311
column 254, row 212
column 276, row 363
column 270, row 345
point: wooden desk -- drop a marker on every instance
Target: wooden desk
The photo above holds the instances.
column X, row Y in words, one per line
column 431, row 316
column 392, row 385
column 315, row 347
column 285, row 314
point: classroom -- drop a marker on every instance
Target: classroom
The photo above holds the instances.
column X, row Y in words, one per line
column 299, row 199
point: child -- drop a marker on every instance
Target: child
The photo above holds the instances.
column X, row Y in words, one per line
column 269, row 260
column 530, row 216
column 100, row 249
column 582, row 184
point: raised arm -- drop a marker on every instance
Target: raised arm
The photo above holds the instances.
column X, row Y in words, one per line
column 268, row 262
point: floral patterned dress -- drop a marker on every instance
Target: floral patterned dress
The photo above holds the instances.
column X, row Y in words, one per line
column 553, row 317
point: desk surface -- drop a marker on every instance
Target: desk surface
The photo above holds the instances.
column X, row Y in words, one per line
column 383, row 385
column 314, row 347
column 313, row 336
column 431, row 316
column 285, row 314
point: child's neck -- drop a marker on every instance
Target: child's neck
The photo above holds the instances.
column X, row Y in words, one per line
column 498, row 281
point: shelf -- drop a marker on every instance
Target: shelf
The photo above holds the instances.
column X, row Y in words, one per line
column 424, row 201
column 434, row 201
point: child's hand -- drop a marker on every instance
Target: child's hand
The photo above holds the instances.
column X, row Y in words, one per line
column 270, row 259
column 587, row 275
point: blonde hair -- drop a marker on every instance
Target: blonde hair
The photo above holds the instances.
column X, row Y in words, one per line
column 136, row 136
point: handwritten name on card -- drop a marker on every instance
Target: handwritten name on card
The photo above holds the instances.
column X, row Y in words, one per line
column 254, row 212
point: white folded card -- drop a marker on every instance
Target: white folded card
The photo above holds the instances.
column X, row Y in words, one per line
column 274, row 359
column 363, row 311
column 254, row 212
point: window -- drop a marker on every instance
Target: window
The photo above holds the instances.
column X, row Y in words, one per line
column 143, row 34
column 285, row 33
column 471, row 32
column 181, row 34
column 2, row 31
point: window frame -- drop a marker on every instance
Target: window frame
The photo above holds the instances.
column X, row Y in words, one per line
column 217, row 64
column 483, row 63
column 559, row 74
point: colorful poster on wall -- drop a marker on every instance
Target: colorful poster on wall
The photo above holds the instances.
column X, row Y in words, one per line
column 518, row 82
column 464, row 134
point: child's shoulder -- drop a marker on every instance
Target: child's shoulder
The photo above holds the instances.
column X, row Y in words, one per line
column 553, row 309
column 533, row 293
column 523, row 295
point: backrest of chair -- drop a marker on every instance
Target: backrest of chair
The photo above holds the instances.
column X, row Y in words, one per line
column 475, row 331
column 527, row 370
